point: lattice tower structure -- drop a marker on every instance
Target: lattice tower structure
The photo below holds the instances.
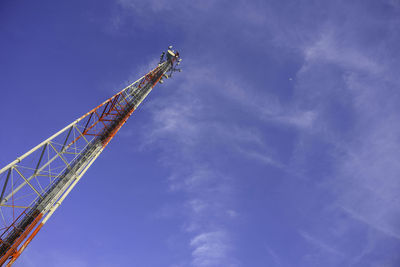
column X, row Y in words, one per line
column 35, row 184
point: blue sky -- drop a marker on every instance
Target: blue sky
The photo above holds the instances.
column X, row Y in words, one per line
column 278, row 145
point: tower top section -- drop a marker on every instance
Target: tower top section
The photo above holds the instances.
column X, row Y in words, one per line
column 173, row 58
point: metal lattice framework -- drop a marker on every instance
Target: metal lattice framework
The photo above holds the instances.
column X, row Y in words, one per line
column 35, row 184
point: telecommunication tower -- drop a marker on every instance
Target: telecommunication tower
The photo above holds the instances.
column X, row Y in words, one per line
column 35, row 184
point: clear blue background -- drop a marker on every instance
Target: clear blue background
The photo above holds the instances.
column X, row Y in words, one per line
column 278, row 144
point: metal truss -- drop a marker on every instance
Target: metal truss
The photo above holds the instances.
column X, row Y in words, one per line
column 34, row 185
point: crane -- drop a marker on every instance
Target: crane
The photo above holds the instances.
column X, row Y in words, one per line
column 35, row 184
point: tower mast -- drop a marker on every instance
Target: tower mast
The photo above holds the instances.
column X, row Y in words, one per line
column 35, row 184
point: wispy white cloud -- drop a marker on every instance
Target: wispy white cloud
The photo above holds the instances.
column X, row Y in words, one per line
column 211, row 249
column 329, row 49
column 301, row 119
column 261, row 157
column 364, row 181
column 320, row 243
column 275, row 257
column 372, row 223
